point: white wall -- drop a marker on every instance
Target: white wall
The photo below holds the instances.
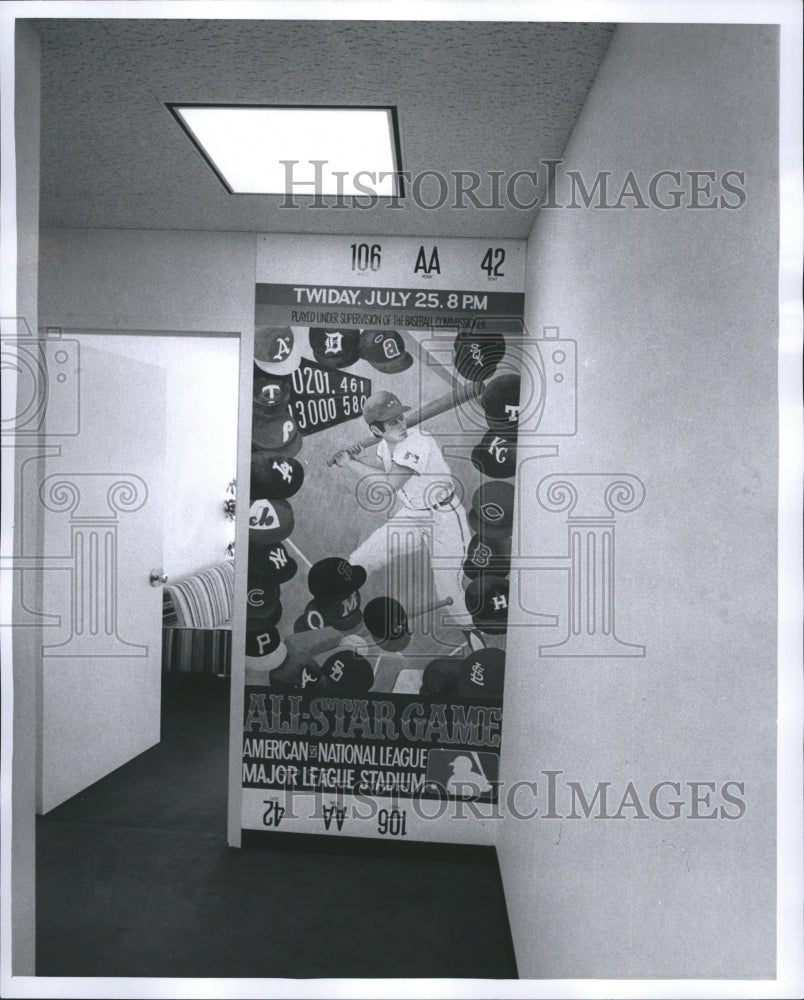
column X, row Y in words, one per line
column 675, row 314
column 124, row 281
column 201, row 375
column 19, row 299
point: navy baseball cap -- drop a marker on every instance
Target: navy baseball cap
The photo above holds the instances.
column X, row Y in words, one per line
column 500, row 400
column 487, row 555
column 342, row 613
column 495, row 455
column 481, row 675
column 335, row 348
column 385, row 351
column 382, row 406
column 487, row 603
column 334, row 577
column 270, row 564
column 295, row 676
column 476, row 353
column 275, row 476
column 263, row 643
column 347, row 672
column 440, row 677
column 492, row 510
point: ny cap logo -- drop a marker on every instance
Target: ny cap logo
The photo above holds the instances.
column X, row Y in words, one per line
column 278, row 558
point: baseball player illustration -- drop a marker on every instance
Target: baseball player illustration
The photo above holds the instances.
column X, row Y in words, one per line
column 430, row 511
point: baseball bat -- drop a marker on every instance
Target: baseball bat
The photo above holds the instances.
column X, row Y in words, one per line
column 460, row 394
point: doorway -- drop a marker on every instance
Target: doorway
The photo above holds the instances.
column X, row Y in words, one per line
column 139, row 489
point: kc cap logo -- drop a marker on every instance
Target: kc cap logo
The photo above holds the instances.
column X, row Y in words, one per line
column 277, row 350
column 385, row 351
column 495, row 455
column 335, row 348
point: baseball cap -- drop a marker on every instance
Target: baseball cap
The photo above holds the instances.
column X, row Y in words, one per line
column 487, row 603
column 382, row 406
column 500, row 400
column 495, row 455
column 295, row 676
column 277, row 349
column 386, row 620
column 347, row 672
column 492, row 510
column 440, row 677
column 309, row 620
column 334, row 577
column 274, row 429
column 482, row 674
column 270, row 564
column 385, row 351
column 270, row 521
column 271, row 390
column 335, row 348
column 342, row 613
column 262, row 597
column 265, row 616
column 263, row 645
column 275, row 476
column 476, row 353
column 487, row 555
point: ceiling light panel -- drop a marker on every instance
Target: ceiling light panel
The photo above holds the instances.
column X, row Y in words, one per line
column 297, row 150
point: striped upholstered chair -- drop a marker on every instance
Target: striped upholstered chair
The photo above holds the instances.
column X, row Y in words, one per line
column 197, row 622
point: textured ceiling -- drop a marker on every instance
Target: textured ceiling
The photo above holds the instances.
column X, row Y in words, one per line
column 470, row 96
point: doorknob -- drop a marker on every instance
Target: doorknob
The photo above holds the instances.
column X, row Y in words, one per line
column 157, row 577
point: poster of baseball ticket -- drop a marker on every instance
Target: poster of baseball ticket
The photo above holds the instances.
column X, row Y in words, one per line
column 402, row 499
column 389, row 380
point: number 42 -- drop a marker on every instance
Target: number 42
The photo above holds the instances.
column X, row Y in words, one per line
column 493, row 261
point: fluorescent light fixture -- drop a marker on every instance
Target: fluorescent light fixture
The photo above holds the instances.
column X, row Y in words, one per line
column 297, row 150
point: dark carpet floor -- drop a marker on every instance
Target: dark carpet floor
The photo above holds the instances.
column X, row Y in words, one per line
column 134, row 878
